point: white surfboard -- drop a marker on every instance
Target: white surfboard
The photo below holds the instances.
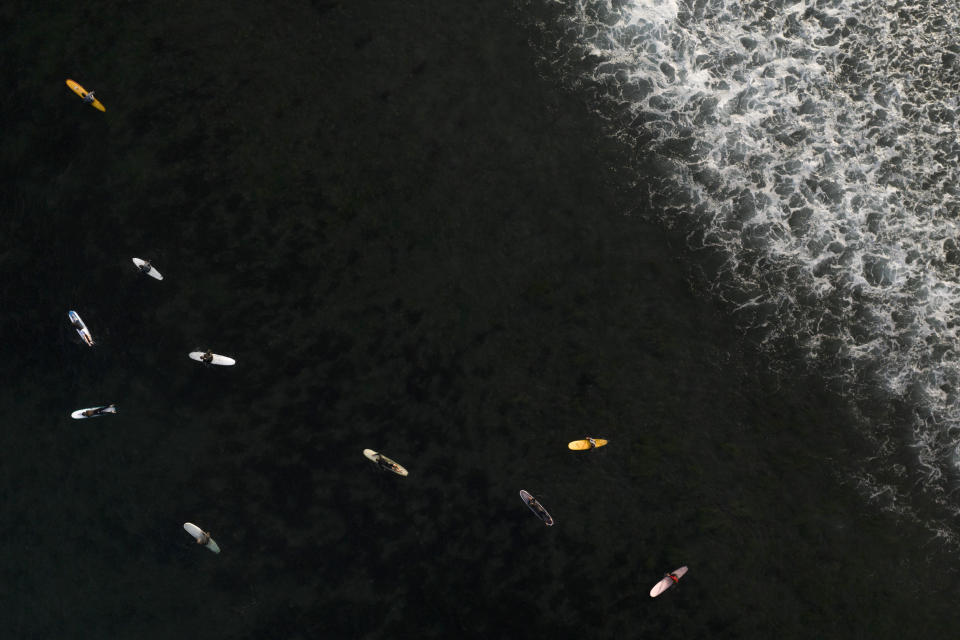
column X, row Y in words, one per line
column 78, row 414
column 217, row 358
column 197, row 534
column 152, row 272
column 384, row 462
column 81, row 328
column 667, row 582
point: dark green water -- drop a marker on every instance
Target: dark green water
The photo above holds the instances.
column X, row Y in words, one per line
column 412, row 241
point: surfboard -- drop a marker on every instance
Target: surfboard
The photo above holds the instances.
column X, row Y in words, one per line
column 78, row 414
column 80, row 91
column 384, row 462
column 197, row 533
column 536, row 507
column 82, row 328
column 583, row 445
column 153, row 273
column 217, row 359
column 667, row 582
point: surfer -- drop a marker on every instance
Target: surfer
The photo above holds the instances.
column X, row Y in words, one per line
column 538, row 509
column 534, row 505
column 145, row 267
column 89, row 98
column 75, row 321
column 204, row 538
column 207, row 357
column 99, row 411
column 386, row 464
column 593, row 443
column 673, row 577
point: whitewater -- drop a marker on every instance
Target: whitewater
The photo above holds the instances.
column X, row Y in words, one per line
column 812, row 148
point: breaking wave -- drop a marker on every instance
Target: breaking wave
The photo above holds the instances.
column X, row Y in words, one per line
column 812, row 147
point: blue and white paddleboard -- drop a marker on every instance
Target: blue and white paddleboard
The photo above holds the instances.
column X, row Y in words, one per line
column 81, row 328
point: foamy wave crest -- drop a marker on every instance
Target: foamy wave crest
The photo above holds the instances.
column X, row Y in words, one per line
column 813, row 146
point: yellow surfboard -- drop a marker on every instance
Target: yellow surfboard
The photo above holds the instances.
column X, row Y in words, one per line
column 583, row 445
column 80, row 91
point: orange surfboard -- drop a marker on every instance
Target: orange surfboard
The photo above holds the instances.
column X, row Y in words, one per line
column 80, row 91
column 583, row 445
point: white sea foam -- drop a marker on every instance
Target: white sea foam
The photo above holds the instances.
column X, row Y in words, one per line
column 814, row 145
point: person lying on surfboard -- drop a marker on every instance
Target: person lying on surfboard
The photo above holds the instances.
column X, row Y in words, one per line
column 98, row 411
column 541, row 512
column 390, row 466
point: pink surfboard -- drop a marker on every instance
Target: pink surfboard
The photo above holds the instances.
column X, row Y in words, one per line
column 667, row 582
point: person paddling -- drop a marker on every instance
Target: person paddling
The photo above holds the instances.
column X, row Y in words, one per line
column 538, row 508
column 386, row 464
column 99, row 411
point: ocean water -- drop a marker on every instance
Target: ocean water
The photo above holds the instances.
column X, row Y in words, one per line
column 464, row 235
column 811, row 149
